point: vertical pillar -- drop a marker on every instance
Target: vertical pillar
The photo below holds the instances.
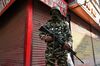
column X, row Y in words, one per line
column 28, row 38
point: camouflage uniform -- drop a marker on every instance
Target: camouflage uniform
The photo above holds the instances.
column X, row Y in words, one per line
column 54, row 50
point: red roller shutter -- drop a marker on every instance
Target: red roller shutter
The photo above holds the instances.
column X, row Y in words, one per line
column 12, row 32
column 40, row 16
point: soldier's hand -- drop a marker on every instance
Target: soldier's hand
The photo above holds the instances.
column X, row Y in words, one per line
column 48, row 38
column 42, row 37
column 66, row 46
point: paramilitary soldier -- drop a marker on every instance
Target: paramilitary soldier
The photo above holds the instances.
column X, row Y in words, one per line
column 55, row 51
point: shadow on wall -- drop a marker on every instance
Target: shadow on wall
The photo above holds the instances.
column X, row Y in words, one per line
column 84, row 50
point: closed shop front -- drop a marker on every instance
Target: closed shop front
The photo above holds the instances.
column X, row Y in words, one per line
column 20, row 44
column 12, row 35
column 86, row 39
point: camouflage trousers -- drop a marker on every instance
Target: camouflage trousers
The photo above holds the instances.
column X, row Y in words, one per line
column 56, row 55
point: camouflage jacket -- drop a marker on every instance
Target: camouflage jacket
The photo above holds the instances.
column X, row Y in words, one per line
column 59, row 28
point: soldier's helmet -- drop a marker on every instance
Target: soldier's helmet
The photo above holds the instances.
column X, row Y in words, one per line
column 55, row 9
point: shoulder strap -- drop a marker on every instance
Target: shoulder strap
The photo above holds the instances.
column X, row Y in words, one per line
column 68, row 18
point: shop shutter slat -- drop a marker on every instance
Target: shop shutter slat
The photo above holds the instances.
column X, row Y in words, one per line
column 38, row 46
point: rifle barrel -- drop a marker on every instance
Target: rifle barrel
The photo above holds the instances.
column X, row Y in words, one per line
column 79, row 59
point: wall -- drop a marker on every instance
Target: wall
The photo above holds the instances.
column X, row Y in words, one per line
column 12, row 32
column 96, row 44
column 85, row 42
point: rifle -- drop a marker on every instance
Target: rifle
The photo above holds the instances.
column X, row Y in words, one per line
column 56, row 37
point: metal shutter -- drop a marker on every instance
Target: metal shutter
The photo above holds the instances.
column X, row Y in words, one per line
column 12, row 34
column 40, row 16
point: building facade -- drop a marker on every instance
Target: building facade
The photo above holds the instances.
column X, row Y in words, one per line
column 19, row 40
